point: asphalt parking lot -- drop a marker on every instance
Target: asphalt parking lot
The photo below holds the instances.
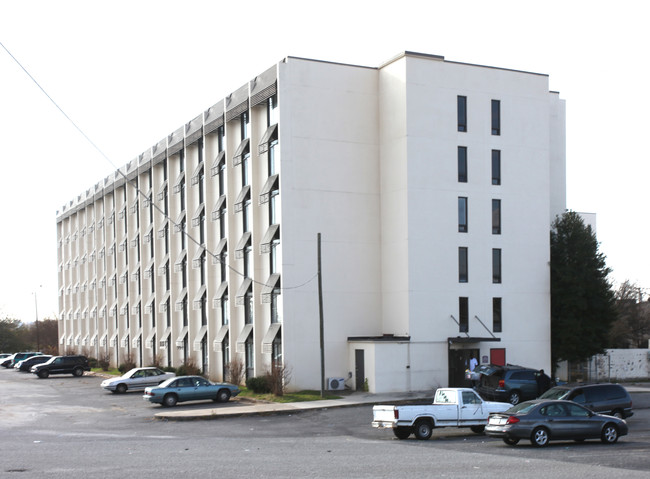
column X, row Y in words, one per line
column 70, row 427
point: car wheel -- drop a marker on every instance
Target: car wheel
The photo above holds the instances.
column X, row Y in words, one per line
column 609, row 434
column 402, row 432
column 43, row 374
column 170, row 400
column 223, row 395
column 539, row 437
column 477, row 429
column 618, row 413
column 514, row 398
column 423, row 429
column 121, row 388
column 78, row 372
column 511, row 441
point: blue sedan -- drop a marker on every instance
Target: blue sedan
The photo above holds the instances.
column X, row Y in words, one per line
column 189, row 388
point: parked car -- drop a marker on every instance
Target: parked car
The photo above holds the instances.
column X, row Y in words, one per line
column 611, row 399
column 544, row 420
column 455, row 407
column 27, row 363
column 20, row 356
column 136, row 379
column 5, row 362
column 509, row 383
column 189, row 388
column 4, row 355
column 75, row 365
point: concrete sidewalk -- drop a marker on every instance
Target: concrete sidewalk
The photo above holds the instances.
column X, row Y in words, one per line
column 249, row 407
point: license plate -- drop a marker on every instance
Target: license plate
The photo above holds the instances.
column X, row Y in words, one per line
column 497, row 421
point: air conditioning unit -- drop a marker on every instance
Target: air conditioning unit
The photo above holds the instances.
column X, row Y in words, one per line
column 335, row 384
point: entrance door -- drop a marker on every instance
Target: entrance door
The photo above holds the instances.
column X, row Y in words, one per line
column 458, row 363
column 359, row 369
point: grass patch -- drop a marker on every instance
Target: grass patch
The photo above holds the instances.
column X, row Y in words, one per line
column 112, row 371
column 299, row 396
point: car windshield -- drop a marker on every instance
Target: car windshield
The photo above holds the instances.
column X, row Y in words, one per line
column 521, row 408
column 555, row 393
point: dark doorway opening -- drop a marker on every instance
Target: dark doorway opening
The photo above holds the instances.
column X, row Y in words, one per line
column 359, row 369
column 458, row 364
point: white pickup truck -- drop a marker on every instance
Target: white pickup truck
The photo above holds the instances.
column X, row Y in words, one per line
column 456, row 407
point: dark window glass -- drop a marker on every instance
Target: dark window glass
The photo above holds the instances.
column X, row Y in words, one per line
column 496, row 117
column 496, row 167
column 462, row 214
column 496, row 265
column 463, row 314
column 462, row 113
column 496, row 315
column 496, row 217
column 462, row 265
column 462, row 164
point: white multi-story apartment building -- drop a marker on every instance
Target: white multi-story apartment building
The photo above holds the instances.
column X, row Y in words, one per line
column 432, row 185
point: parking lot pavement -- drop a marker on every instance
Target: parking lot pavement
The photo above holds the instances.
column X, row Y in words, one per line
column 248, row 407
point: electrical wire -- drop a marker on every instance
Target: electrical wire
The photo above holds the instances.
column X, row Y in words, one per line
column 134, row 184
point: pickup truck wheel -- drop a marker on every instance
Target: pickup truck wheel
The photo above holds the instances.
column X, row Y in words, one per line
column 423, row 429
column 477, row 429
column 514, row 398
column 402, row 432
column 511, row 441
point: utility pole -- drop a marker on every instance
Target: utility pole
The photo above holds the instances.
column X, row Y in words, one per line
column 320, row 313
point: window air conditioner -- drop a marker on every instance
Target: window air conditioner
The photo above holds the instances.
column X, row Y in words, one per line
column 335, row 384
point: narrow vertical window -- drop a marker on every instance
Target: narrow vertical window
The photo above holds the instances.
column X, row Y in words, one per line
column 496, row 217
column 496, row 315
column 496, row 117
column 496, row 167
column 463, row 314
column 496, row 265
column 462, row 164
column 462, row 214
column 462, row 113
column 462, row 265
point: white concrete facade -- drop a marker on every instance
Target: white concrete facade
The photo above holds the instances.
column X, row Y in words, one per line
column 368, row 158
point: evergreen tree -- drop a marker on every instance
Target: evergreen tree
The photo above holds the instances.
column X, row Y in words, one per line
column 582, row 299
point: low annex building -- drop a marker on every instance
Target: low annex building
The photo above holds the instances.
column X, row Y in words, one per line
column 432, row 183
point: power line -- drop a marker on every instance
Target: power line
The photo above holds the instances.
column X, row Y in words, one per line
column 134, row 184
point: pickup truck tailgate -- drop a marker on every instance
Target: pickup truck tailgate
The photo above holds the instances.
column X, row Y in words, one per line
column 383, row 416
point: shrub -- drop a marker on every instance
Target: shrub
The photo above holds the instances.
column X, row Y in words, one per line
column 278, row 377
column 189, row 368
column 235, row 373
column 259, row 384
column 92, row 362
column 104, row 361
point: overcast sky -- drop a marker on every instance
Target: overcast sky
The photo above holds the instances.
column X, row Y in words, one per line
column 131, row 72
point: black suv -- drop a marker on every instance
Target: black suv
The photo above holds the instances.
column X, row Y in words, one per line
column 611, row 399
column 75, row 365
column 509, row 383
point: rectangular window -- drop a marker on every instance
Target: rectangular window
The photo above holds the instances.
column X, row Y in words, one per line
column 496, row 167
column 462, row 265
column 462, row 164
column 496, row 117
column 462, row 113
column 496, row 265
column 496, row 217
column 463, row 314
column 462, row 214
column 496, row 315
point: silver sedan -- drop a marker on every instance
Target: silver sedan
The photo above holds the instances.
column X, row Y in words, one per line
column 137, row 379
column 541, row 421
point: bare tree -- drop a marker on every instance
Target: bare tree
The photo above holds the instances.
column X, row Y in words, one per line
column 632, row 328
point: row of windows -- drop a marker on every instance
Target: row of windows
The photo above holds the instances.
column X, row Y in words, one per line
column 463, row 226
column 495, row 115
column 463, row 314
column 463, row 166
column 463, row 265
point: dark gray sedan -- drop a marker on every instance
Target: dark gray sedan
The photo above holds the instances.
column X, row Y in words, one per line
column 541, row 421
